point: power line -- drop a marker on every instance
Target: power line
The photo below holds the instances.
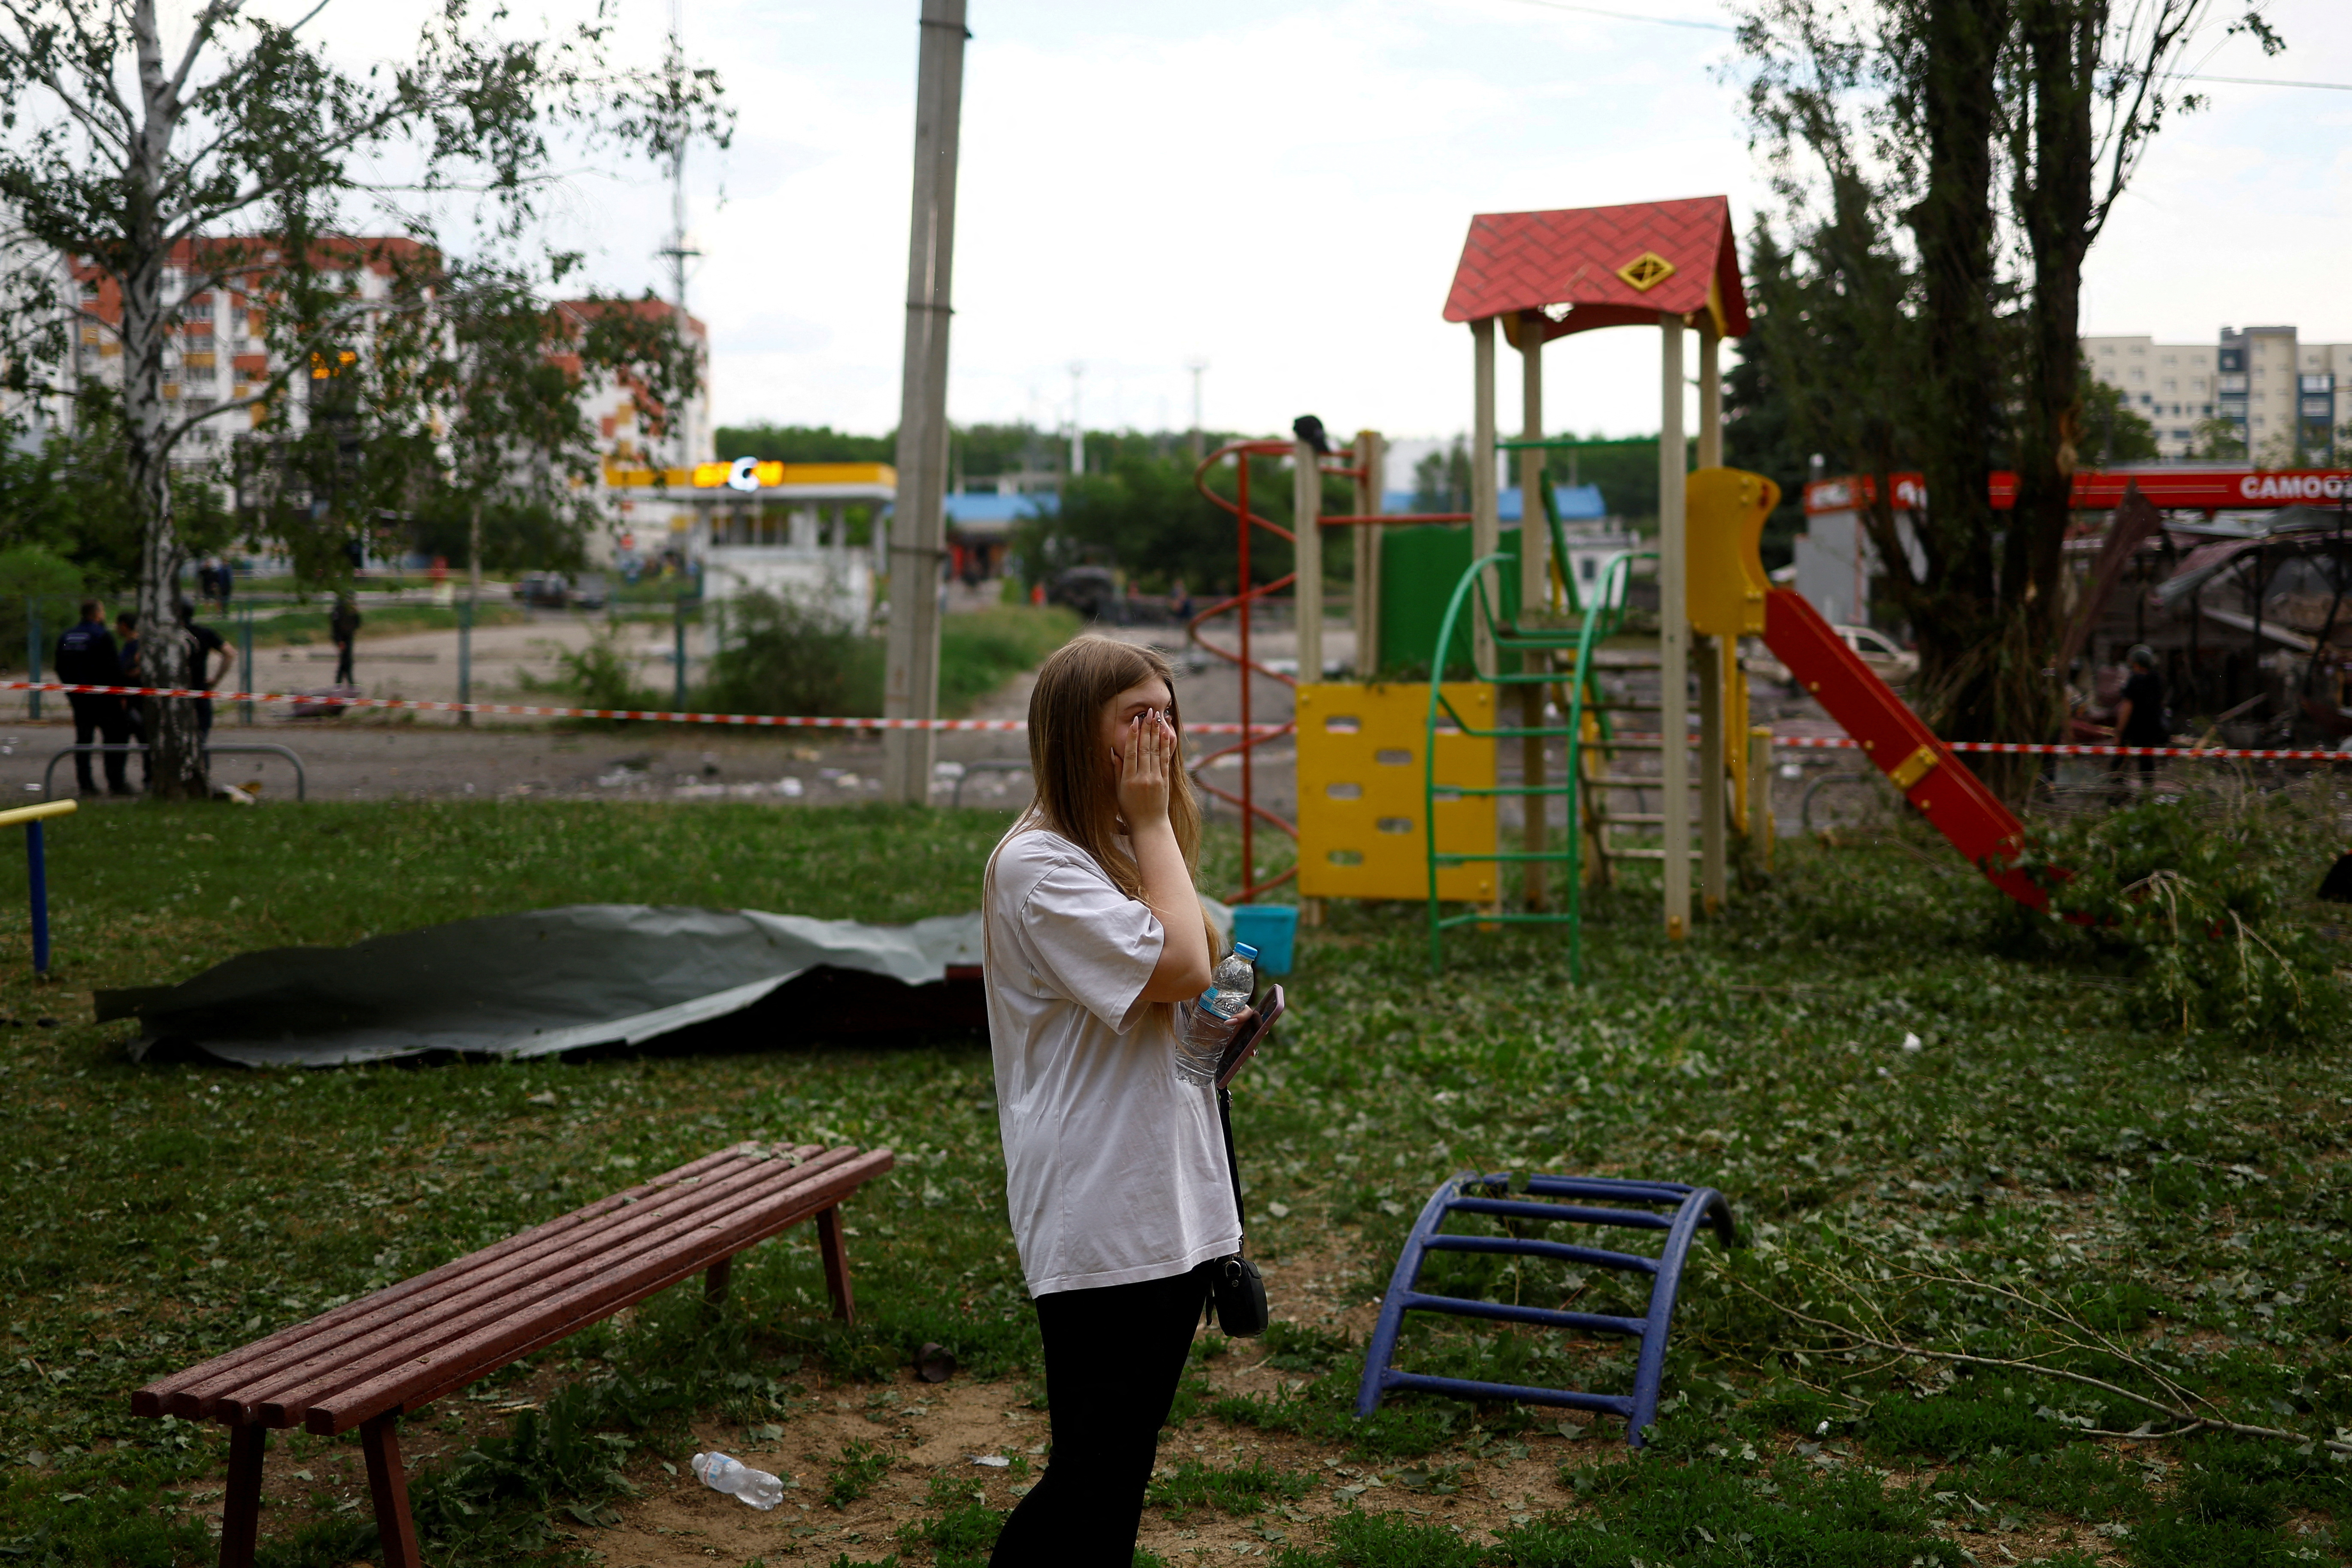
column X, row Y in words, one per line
column 1727, row 27
column 1632, row 16
column 2263, row 82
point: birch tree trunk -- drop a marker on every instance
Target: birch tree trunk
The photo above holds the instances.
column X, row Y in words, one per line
column 177, row 760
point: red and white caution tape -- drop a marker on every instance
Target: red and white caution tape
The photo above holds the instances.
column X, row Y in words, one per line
column 536, row 710
column 2035, row 749
column 790, row 722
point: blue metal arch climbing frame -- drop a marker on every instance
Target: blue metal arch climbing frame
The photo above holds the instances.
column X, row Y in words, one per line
column 1470, row 1192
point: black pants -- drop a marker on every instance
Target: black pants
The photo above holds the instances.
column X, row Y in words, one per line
column 1113, row 1358
column 344, row 676
column 101, row 718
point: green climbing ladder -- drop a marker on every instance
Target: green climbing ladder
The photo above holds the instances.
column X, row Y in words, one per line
column 1562, row 655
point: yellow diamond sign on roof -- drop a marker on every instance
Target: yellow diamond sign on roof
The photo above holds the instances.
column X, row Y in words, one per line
column 1647, row 270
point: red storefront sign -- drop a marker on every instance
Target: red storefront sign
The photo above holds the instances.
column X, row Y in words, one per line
column 2209, row 489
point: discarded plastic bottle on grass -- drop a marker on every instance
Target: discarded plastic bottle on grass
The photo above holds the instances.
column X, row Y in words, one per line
column 1209, row 1029
column 722, row 1473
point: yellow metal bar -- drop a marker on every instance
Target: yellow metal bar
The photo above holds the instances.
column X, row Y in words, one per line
column 24, row 814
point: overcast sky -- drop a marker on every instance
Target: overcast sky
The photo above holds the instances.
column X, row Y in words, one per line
column 1280, row 188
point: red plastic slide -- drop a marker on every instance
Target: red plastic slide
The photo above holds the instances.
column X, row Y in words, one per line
column 1928, row 776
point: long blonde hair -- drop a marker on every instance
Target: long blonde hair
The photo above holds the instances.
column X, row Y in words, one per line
column 1077, row 795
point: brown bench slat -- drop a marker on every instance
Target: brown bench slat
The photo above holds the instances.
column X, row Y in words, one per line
column 282, row 1401
column 465, row 1277
column 323, row 1418
column 411, row 1325
column 150, row 1401
column 494, row 1345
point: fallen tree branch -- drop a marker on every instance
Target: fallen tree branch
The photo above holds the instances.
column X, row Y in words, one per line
column 2191, row 1421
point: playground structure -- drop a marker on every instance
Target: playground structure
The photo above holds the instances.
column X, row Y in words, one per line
column 1523, row 654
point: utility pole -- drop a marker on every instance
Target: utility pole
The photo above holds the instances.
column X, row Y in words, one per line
column 1078, row 425
column 1199, row 437
column 919, row 525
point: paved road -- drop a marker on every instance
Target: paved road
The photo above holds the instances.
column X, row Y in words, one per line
column 387, row 755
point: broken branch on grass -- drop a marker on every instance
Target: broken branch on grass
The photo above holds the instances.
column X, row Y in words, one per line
column 2190, row 1421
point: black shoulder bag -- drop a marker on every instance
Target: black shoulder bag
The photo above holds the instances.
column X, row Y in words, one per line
column 1236, row 1289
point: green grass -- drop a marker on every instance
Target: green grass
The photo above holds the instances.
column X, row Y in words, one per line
column 982, row 650
column 854, row 1473
column 1238, row 1488
column 2184, row 1196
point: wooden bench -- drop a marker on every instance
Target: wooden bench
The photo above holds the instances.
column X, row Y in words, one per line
column 368, row 1362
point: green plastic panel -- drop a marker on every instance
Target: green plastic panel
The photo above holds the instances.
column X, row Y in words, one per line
column 1419, row 567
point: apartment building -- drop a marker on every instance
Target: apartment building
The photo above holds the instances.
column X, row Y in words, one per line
column 218, row 347
column 2280, row 392
column 218, row 351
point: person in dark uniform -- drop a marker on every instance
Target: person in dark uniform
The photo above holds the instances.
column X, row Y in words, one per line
column 134, row 709
column 342, row 628
column 2140, row 712
column 204, row 645
column 87, row 656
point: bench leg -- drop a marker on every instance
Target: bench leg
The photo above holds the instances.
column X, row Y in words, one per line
column 714, row 1282
column 388, row 1486
column 836, row 1264
column 241, row 1505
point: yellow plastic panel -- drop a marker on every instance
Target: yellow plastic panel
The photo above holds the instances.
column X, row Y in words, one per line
column 1724, row 511
column 1359, row 793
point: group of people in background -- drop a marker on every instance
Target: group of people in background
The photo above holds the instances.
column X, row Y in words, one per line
column 89, row 654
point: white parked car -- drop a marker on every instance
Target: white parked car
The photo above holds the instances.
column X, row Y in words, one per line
column 1893, row 665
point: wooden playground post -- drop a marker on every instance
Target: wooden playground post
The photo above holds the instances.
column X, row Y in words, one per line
column 1371, row 464
column 1674, row 632
column 1713, row 760
column 1533, row 596
column 1306, row 555
column 1486, row 529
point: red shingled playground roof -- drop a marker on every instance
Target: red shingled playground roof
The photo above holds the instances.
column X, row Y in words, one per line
column 1576, row 256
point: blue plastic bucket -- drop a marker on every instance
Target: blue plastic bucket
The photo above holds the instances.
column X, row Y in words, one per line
column 1272, row 928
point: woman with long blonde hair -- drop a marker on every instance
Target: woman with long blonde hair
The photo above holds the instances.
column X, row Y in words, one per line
column 1114, row 1171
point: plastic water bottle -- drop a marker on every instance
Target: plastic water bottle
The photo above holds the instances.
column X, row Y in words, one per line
column 1235, row 980
column 1208, row 1027
column 722, row 1473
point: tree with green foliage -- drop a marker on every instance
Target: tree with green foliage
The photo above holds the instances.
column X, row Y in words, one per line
column 2218, row 439
column 1760, row 430
column 1440, row 480
column 2113, row 431
column 804, row 443
column 138, row 151
column 1144, row 516
column 1975, row 147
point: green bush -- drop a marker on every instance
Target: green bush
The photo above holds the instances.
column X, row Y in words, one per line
column 780, row 655
column 598, row 675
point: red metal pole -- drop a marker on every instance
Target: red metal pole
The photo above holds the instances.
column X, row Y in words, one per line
column 1249, row 795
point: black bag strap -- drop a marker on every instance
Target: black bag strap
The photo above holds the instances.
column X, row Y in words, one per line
column 1232, row 1165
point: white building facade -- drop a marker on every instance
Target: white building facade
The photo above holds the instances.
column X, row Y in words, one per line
column 2281, row 394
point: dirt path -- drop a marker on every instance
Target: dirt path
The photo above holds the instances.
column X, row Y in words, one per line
column 935, row 1433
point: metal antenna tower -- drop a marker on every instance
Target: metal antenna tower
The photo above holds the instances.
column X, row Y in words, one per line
column 676, row 250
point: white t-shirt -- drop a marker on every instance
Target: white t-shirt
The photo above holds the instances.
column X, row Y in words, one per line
column 1114, row 1167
